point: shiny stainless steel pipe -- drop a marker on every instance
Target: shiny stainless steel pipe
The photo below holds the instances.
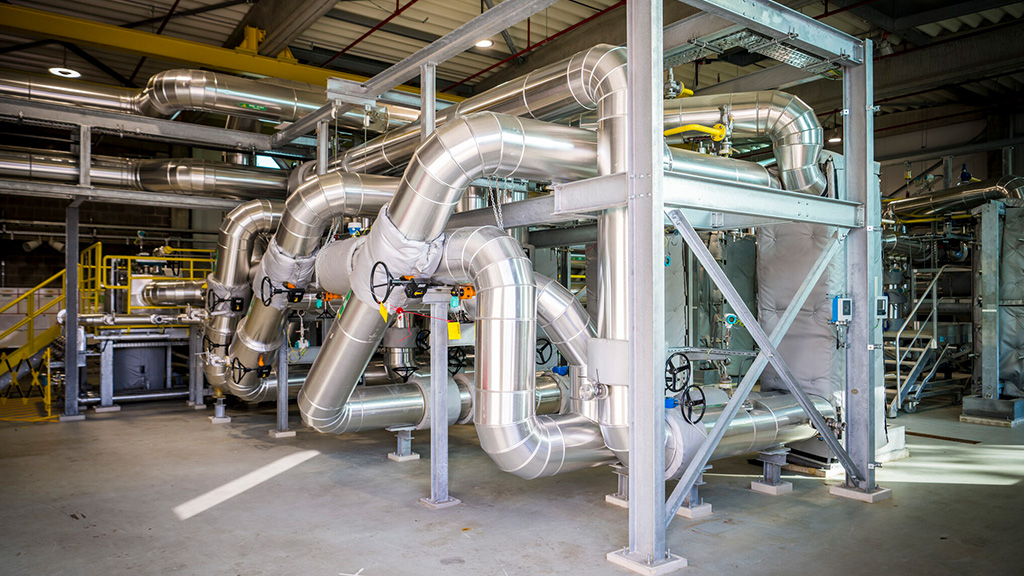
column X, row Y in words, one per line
column 791, row 125
column 509, row 429
column 772, row 419
column 958, row 198
column 230, row 279
column 290, row 259
column 571, row 86
column 568, row 327
column 174, row 175
column 199, row 90
column 174, row 293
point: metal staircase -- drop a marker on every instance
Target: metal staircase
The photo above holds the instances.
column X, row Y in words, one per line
column 916, row 351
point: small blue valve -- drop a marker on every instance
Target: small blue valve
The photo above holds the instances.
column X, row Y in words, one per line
column 560, row 370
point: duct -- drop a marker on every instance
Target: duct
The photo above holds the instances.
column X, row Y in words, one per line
column 769, row 419
column 230, row 280
column 553, row 92
column 958, row 198
column 290, row 258
column 792, row 126
column 173, row 292
column 568, row 327
column 509, row 429
column 717, row 167
column 407, row 234
column 162, row 175
column 198, row 90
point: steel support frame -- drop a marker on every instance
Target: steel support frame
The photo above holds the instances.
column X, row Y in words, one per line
column 282, row 431
column 195, row 368
column 703, row 456
column 439, row 497
column 864, row 368
column 71, row 301
column 646, row 551
column 991, row 247
column 799, row 30
column 113, row 195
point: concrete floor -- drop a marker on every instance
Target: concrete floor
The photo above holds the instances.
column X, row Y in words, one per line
column 100, row 497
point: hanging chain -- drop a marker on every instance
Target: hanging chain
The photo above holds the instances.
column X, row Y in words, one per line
column 492, row 193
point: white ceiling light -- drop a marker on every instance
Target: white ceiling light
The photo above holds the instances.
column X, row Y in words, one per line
column 65, row 72
column 485, row 43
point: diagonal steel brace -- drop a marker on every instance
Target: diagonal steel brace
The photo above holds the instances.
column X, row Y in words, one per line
column 768, row 353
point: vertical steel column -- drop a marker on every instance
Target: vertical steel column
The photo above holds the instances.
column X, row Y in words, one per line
column 991, row 240
column 864, row 370
column 84, row 156
column 106, row 375
column 195, row 367
column 282, row 430
column 323, row 132
column 439, row 498
column 428, row 102
column 646, row 552
column 71, row 372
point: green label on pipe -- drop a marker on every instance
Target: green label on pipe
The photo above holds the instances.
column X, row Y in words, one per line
column 252, row 106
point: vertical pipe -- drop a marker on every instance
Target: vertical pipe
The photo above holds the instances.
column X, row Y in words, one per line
column 863, row 370
column 646, row 280
column 428, row 104
column 71, row 306
column 322, row 146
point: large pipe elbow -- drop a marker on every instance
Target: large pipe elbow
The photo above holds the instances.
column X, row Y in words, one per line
column 564, row 320
column 791, row 125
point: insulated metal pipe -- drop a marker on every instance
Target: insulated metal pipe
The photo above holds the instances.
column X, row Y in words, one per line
column 958, row 198
column 289, row 260
column 163, row 175
column 553, row 92
column 199, row 90
column 174, row 292
column 789, row 123
column 406, row 233
column 230, row 280
column 505, row 415
column 568, row 327
column 771, row 419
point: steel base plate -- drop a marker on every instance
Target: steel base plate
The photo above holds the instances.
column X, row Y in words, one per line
column 219, row 419
column 640, row 565
column 102, row 409
column 872, row 497
column 74, row 418
column 698, row 511
column 438, row 505
column 403, row 458
column 275, row 433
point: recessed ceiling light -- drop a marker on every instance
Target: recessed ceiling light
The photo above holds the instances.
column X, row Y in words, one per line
column 835, row 139
column 485, row 43
column 65, row 72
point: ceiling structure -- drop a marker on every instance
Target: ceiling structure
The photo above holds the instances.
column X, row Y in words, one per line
column 364, row 37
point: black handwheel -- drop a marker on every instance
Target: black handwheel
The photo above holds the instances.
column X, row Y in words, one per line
column 544, row 350
column 456, row 360
column 677, row 372
column 423, row 341
column 693, row 400
column 389, row 284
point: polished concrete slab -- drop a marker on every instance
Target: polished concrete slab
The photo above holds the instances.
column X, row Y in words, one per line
column 157, row 489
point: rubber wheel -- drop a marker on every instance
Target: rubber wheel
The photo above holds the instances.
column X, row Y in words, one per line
column 910, row 407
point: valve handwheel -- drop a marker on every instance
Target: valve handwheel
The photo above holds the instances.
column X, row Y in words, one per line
column 423, row 340
column 456, row 360
column 692, row 401
column 389, row 283
column 677, row 372
column 544, row 350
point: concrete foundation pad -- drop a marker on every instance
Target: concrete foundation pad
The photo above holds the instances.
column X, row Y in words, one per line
column 275, row 433
column 408, row 457
column 640, row 566
column 616, row 500
column 438, row 505
column 200, row 406
column 102, row 409
column 997, row 422
column 694, row 512
column 853, row 494
column 220, row 419
column 75, row 418
column 777, row 490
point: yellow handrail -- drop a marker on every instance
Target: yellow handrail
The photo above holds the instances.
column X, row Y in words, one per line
column 717, row 132
column 29, row 318
column 32, row 291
